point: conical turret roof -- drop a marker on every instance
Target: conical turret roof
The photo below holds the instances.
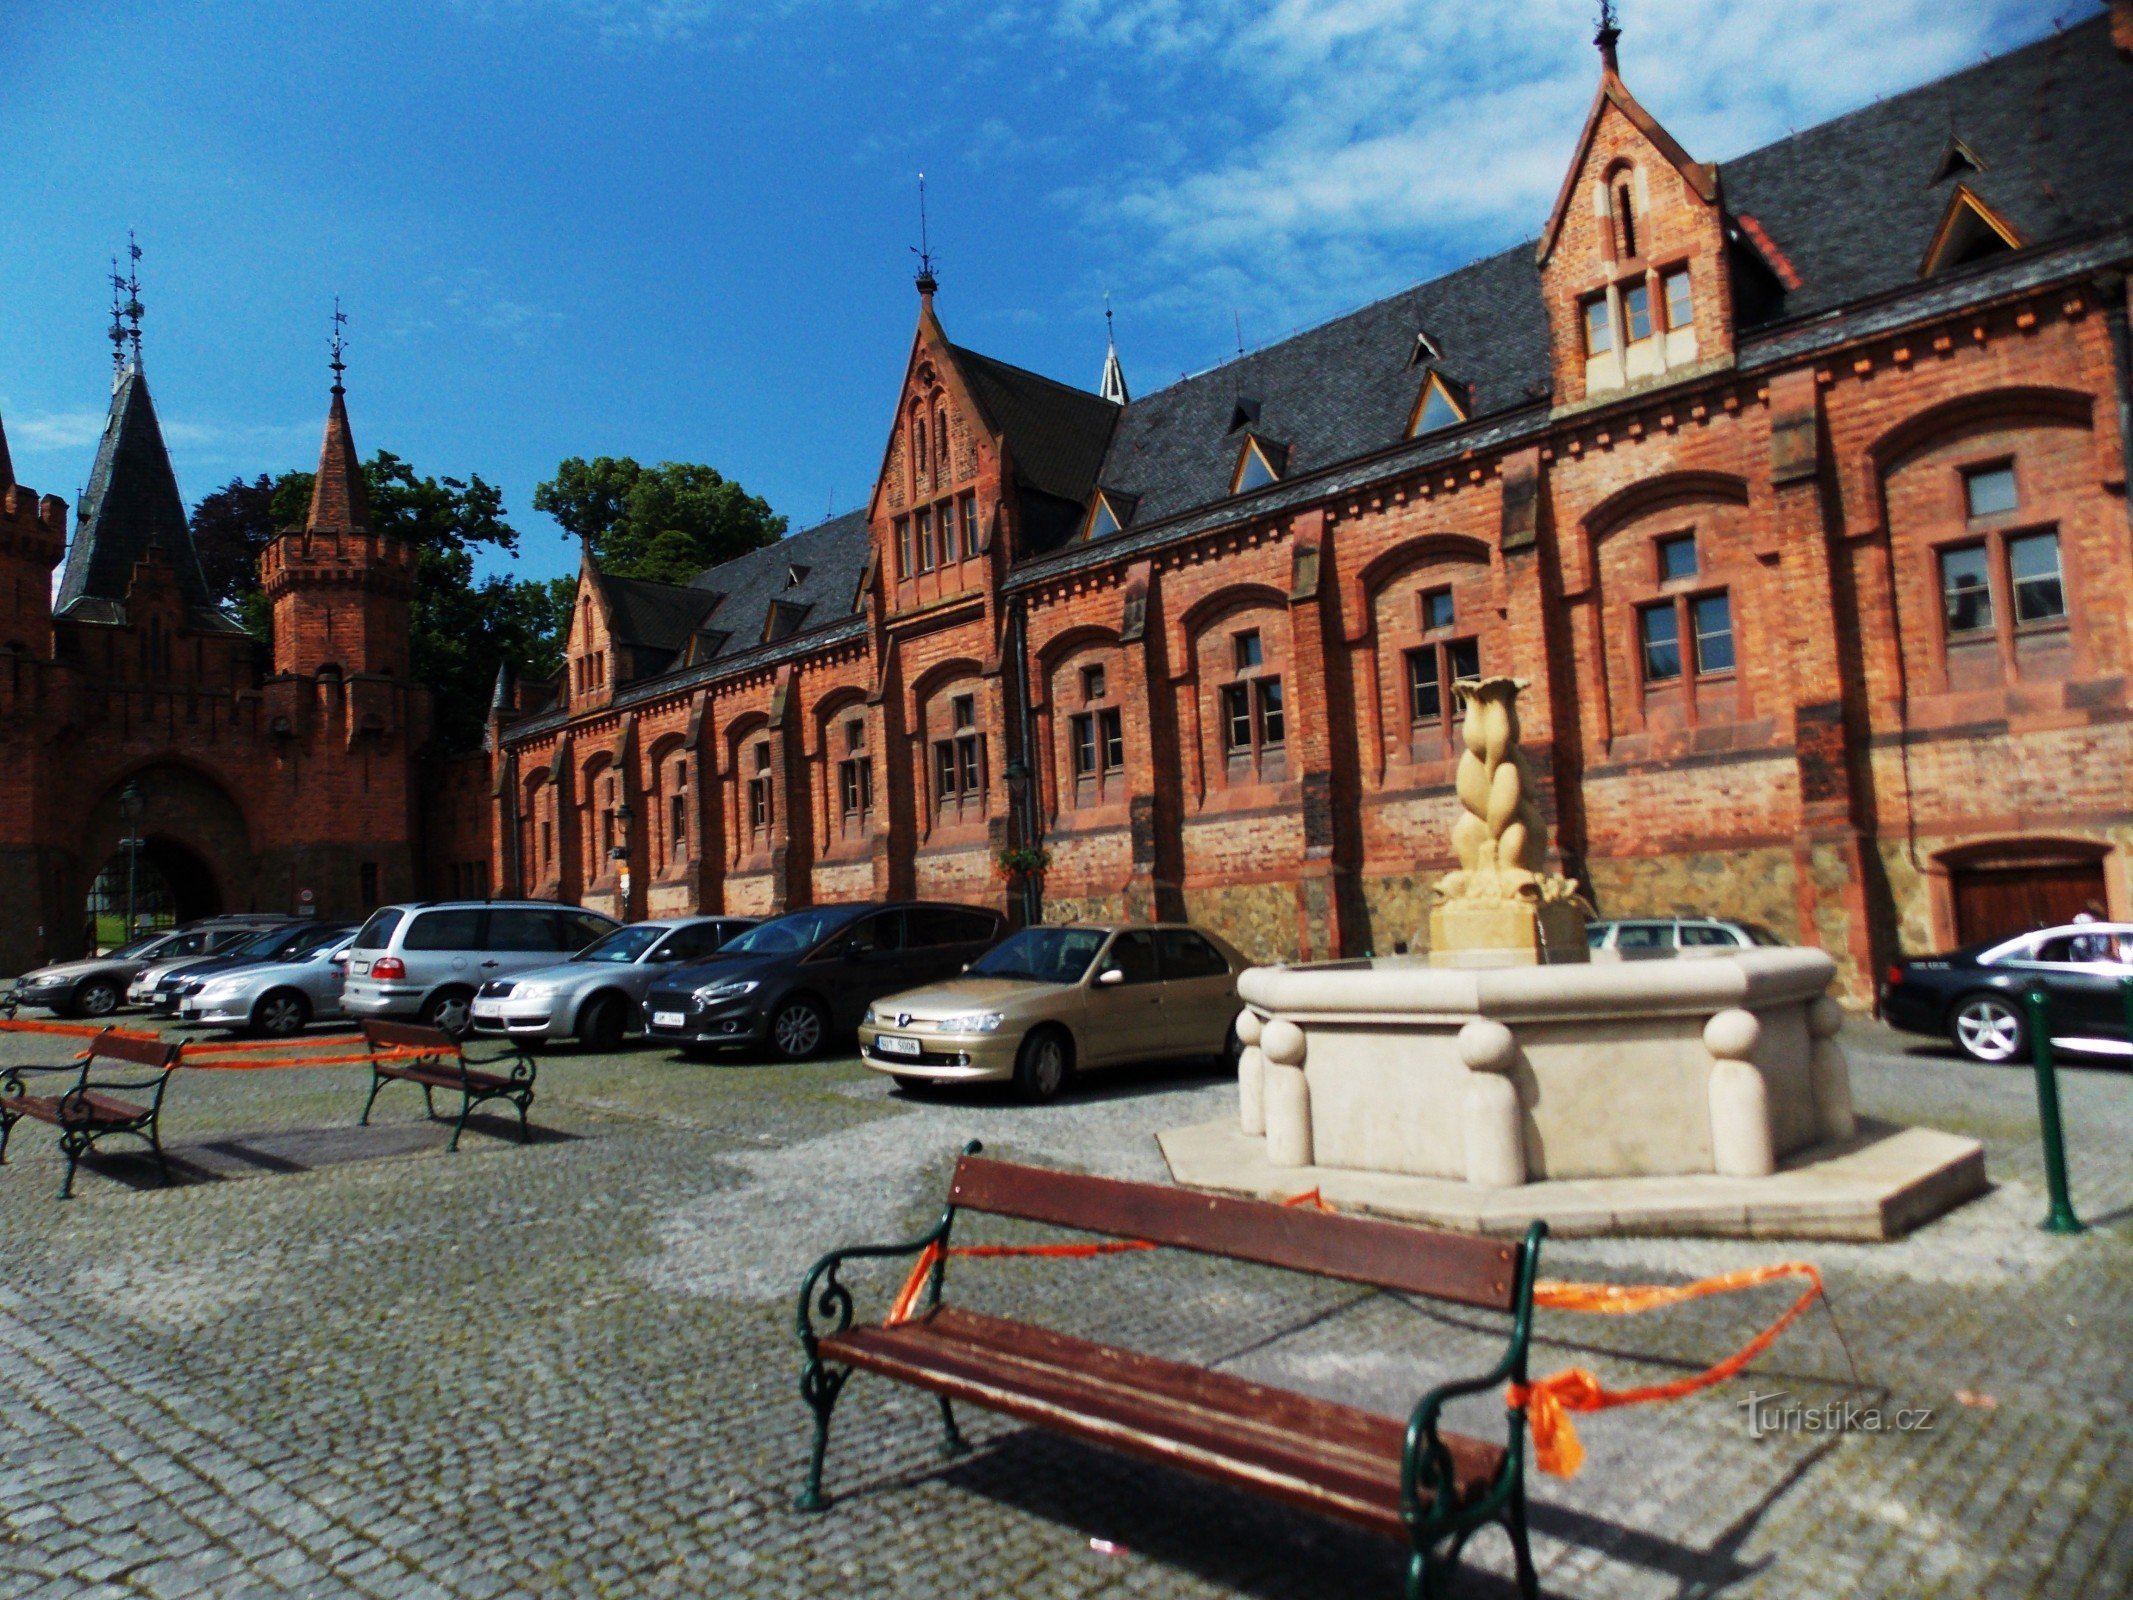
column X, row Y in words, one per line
column 132, row 506
column 338, row 501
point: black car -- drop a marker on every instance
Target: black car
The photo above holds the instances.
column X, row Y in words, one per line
column 799, row 979
column 1974, row 996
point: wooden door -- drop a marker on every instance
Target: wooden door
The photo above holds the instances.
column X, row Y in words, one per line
column 1991, row 902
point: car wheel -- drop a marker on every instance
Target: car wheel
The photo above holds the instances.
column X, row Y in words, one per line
column 1043, row 1065
column 99, row 997
column 602, row 1025
column 280, row 1013
column 450, row 1012
column 798, row 1028
column 1987, row 1027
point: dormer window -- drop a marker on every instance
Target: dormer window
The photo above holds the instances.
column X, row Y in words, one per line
column 1969, row 231
column 1243, row 414
column 1103, row 521
column 1625, row 220
column 1438, row 407
column 1680, row 306
column 1255, row 467
column 795, row 576
column 1957, row 159
column 1637, row 311
column 1425, row 351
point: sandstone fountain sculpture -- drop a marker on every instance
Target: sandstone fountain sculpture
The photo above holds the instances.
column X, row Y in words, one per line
column 1502, row 907
column 1510, row 1076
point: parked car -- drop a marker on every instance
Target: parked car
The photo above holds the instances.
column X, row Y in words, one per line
column 96, row 986
column 158, row 984
column 1045, row 1003
column 1974, row 996
column 1657, row 938
column 598, row 994
column 280, row 996
column 426, row 959
column 798, row 979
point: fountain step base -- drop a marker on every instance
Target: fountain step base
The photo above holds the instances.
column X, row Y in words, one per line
column 1880, row 1184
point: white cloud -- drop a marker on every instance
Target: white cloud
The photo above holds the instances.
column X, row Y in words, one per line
column 56, row 430
column 1385, row 138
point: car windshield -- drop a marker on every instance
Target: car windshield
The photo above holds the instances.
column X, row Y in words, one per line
column 624, row 945
column 266, row 942
column 802, row 930
column 145, row 945
column 1043, row 955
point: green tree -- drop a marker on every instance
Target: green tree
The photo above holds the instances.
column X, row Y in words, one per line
column 666, row 523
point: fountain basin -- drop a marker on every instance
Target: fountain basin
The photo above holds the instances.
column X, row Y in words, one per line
column 1722, row 1064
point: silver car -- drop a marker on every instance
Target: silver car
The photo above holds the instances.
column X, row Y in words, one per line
column 598, row 994
column 273, row 997
column 95, row 986
column 423, row 961
column 223, row 945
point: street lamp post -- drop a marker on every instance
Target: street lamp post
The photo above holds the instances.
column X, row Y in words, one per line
column 131, row 804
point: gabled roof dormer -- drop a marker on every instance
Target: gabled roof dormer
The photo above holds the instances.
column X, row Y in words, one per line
column 1633, row 258
column 1109, row 512
column 1259, row 463
column 1969, row 231
column 1441, row 404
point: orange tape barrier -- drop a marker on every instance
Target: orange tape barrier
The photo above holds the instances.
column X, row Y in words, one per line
column 217, row 1049
column 1548, row 1401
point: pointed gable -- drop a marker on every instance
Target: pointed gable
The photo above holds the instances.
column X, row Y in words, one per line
column 131, row 507
column 1700, row 177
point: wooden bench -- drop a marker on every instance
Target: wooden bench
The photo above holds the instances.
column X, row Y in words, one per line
column 1410, row 1481
column 91, row 1110
column 401, row 1052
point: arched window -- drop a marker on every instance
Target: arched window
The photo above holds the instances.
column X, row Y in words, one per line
column 919, row 460
column 940, row 446
column 1622, row 202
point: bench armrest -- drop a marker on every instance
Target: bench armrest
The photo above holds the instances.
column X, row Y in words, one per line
column 1426, row 1466
column 11, row 1077
column 822, row 1291
column 523, row 1066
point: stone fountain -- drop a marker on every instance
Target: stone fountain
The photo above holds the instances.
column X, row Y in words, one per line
column 1510, row 1076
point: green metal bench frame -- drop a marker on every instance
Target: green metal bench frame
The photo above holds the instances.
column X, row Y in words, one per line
column 443, row 1064
column 1437, row 1526
column 84, row 1112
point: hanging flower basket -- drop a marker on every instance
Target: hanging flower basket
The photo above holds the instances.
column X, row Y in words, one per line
column 1022, row 861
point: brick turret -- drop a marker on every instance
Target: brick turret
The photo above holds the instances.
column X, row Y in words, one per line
column 339, row 588
column 33, row 538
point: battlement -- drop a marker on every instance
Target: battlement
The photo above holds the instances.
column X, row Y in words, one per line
column 378, row 563
column 26, row 514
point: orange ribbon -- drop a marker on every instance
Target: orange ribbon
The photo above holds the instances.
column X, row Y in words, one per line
column 1549, row 1401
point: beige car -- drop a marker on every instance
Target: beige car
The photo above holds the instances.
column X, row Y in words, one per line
column 1046, row 1003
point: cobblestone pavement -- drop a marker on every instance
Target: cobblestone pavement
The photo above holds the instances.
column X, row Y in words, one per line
column 378, row 1370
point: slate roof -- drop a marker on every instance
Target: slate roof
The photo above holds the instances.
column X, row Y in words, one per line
column 1339, row 390
column 1055, row 435
column 742, row 591
column 1852, row 203
column 132, row 503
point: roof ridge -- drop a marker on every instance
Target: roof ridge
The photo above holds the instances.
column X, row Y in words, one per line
column 1029, row 372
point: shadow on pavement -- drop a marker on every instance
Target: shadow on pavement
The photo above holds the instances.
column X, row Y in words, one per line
column 293, row 1150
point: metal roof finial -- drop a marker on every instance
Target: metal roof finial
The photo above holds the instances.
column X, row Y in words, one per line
column 337, row 344
column 927, row 283
column 131, row 286
column 1607, row 35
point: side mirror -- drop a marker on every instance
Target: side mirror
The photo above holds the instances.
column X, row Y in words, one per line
column 1111, row 975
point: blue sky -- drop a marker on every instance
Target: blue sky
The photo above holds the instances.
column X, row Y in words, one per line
column 680, row 229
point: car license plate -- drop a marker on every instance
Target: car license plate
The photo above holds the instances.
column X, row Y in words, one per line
column 359, row 966
column 488, row 1008
column 667, row 1019
column 890, row 1045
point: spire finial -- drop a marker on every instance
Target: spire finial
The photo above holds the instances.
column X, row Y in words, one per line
column 1113, row 385
column 118, row 323
column 337, row 344
column 927, row 283
column 1607, row 35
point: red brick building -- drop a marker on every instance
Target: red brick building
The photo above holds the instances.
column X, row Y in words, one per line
column 263, row 782
column 1796, row 484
